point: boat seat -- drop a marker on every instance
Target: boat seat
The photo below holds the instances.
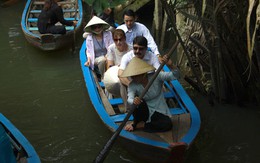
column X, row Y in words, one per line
column 102, row 85
column 175, row 111
column 68, row 28
column 60, row 3
column 120, row 117
column 64, row 10
column 116, row 101
column 168, row 94
column 119, row 101
column 33, row 20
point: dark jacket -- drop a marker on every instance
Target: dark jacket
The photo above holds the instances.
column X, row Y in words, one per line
column 48, row 18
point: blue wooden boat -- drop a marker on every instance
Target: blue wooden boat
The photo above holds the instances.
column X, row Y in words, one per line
column 72, row 10
column 152, row 147
column 13, row 145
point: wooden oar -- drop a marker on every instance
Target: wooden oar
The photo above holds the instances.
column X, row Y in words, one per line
column 103, row 153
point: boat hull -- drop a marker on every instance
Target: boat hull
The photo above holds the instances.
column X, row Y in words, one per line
column 48, row 42
column 151, row 147
column 26, row 149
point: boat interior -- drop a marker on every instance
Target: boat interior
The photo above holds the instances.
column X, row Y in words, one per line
column 18, row 151
column 181, row 119
column 36, row 6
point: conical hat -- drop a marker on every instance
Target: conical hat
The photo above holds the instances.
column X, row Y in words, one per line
column 136, row 67
column 94, row 21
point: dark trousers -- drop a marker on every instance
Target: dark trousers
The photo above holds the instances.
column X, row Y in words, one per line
column 159, row 122
column 56, row 29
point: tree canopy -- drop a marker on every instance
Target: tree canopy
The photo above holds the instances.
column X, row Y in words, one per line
column 100, row 5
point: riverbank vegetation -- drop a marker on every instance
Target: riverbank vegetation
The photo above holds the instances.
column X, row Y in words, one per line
column 219, row 44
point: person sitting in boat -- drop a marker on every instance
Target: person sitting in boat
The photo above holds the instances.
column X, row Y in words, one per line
column 139, row 51
column 50, row 15
column 117, row 50
column 152, row 113
column 133, row 29
column 114, row 55
column 97, row 42
column 108, row 16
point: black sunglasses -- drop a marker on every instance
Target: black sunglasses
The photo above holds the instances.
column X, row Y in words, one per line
column 138, row 48
column 120, row 39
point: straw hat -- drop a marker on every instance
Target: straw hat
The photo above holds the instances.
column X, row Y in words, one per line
column 94, row 21
column 136, row 67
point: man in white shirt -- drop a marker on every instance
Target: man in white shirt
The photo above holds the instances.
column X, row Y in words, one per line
column 139, row 51
column 133, row 29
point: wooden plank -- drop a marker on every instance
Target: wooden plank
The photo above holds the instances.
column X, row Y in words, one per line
column 181, row 124
column 64, row 10
column 107, row 105
column 166, row 136
column 148, row 135
column 68, row 28
column 60, row 3
column 33, row 20
column 122, row 108
column 116, row 101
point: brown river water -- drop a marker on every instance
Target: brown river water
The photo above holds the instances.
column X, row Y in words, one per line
column 44, row 95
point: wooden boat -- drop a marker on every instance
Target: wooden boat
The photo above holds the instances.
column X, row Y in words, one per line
column 152, row 147
column 72, row 10
column 22, row 150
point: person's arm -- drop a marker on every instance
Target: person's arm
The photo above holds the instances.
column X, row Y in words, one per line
column 130, row 95
column 60, row 17
column 175, row 72
column 87, row 63
column 124, row 81
column 89, row 50
column 150, row 39
column 110, row 56
column 110, row 63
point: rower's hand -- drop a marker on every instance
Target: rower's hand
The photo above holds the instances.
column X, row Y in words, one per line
column 165, row 58
column 137, row 101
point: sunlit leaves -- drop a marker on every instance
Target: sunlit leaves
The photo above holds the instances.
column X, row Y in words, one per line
column 100, row 5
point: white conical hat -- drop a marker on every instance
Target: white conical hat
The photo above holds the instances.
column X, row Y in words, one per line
column 94, row 21
column 136, row 67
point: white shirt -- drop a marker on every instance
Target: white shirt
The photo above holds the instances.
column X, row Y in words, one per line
column 154, row 96
column 113, row 54
column 139, row 29
column 149, row 58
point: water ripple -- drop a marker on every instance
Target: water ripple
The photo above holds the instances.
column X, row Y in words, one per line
column 13, row 32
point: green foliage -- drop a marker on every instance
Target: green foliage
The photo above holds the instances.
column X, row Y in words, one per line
column 100, row 5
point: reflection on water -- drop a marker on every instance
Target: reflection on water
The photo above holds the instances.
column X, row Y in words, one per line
column 229, row 134
column 44, row 95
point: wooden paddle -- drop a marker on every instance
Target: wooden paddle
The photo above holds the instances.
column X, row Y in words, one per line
column 104, row 152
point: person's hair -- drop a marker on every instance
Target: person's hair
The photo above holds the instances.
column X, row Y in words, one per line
column 47, row 4
column 140, row 40
column 120, row 33
column 129, row 12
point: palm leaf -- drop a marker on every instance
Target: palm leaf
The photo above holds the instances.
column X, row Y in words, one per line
column 249, row 41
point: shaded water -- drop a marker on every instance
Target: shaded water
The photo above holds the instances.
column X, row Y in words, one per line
column 44, row 95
